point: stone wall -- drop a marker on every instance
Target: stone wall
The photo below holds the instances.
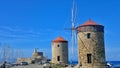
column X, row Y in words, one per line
column 94, row 46
column 37, row 55
column 60, row 49
column 29, row 60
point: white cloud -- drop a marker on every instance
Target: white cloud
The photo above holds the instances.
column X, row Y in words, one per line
column 112, row 53
column 17, row 33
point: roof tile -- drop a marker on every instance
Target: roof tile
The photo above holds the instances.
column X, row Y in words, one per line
column 89, row 22
column 59, row 39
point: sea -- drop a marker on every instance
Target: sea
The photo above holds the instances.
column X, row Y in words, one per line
column 114, row 64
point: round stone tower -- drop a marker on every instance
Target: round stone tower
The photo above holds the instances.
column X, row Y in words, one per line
column 59, row 51
column 91, row 51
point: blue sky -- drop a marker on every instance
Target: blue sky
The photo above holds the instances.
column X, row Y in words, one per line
column 29, row 24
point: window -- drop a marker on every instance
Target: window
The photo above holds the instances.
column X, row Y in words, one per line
column 88, row 35
column 89, row 58
column 58, row 45
column 58, row 58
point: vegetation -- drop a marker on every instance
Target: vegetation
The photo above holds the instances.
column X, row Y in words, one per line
column 57, row 65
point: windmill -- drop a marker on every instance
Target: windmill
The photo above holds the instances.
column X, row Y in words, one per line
column 73, row 30
column 73, row 33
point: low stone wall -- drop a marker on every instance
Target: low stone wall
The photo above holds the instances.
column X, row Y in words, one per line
column 29, row 60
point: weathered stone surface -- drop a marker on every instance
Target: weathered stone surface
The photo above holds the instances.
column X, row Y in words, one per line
column 29, row 60
column 94, row 46
column 61, row 51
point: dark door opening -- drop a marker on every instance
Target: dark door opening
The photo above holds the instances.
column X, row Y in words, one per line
column 89, row 58
column 58, row 58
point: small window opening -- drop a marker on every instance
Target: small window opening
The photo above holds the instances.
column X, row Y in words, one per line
column 58, row 58
column 58, row 45
column 88, row 35
column 89, row 58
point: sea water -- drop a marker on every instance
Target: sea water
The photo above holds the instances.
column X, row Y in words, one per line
column 115, row 64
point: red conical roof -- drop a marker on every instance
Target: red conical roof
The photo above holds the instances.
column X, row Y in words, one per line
column 89, row 22
column 59, row 39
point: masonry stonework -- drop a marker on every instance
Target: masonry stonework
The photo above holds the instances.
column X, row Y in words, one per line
column 59, row 51
column 91, row 51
